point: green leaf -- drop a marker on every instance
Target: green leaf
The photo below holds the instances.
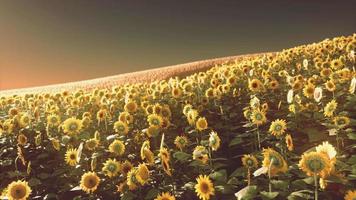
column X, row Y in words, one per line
column 181, row 156
column 351, row 136
column 235, row 141
column 315, row 134
column 269, row 195
column 128, row 196
column 34, row 181
column 301, row 194
column 152, row 193
column 219, row 176
column 280, row 185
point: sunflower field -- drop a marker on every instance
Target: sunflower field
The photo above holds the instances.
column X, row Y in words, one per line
column 274, row 126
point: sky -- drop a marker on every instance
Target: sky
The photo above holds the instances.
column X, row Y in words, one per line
column 56, row 41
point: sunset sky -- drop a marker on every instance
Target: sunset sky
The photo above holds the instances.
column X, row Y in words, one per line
column 55, row 41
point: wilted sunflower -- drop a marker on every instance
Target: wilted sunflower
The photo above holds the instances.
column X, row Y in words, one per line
column 201, row 124
column 350, row 195
column 121, row 127
column 111, row 167
column 89, row 182
column 289, row 142
column 214, row 141
column 204, row 187
column 258, row 117
column 117, row 147
column 71, row 157
column 181, row 142
column 72, row 126
column 165, row 196
column 278, row 165
column 142, row 174
column 314, row 163
column 201, row 153
column 249, row 161
column 18, row 190
column 21, row 139
column 330, row 108
column 278, row 127
column 341, row 121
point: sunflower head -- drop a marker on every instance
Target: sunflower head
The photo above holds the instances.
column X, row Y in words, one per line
column 72, row 126
column 111, row 167
column 314, row 163
column 350, row 195
column 142, row 174
column 201, row 124
column 117, row 147
column 155, row 120
column 204, row 187
column 341, row 121
column 278, row 127
column 289, row 142
column 330, row 108
column 258, row 117
column 18, row 190
column 126, row 167
column 121, row 127
column 201, row 153
column 132, row 181
column 181, row 142
column 273, row 159
column 214, row 141
column 71, row 157
column 89, row 182
column 91, row 144
column 249, row 161
column 165, row 196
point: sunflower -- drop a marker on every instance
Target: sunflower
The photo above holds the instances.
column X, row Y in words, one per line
column 72, row 126
column 330, row 86
column 131, row 178
column 117, row 147
column 24, row 120
column 155, row 120
column 204, row 187
column 18, row 190
column 130, row 106
column 126, row 167
column 201, row 153
column 327, row 149
column 350, row 195
column 289, row 142
column 55, row 143
column 308, row 90
column 278, row 127
column 255, row 85
column 336, row 64
column 176, row 92
column 21, row 139
column 91, row 144
column 164, row 154
column 181, row 142
column 111, row 167
column 214, row 141
column 341, row 121
column 314, row 163
column 142, row 174
column 71, row 157
column 330, row 108
column 258, row 117
column 121, row 127
column 249, row 161
column 278, row 163
column 201, row 124
column 192, row 116
column 89, row 182
column 165, row 196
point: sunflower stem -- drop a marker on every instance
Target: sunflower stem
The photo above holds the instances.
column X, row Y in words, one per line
column 248, row 176
column 316, row 187
column 269, row 176
column 258, row 139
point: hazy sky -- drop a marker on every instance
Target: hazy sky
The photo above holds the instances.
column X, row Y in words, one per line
column 46, row 42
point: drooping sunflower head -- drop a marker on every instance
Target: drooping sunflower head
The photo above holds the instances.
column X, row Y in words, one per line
column 142, row 174
column 201, row 153
column 121, row 127
column 258, row 117
column 214, row 141
column 278, row 127
column 314, row 163
column 165, row 196
column 71, row 157
column 181, row 142
column 341, row 121
column 72, row 126
column 89, row 182
column 111, row 167
column 117, row 147
column 289, row 142
column 330, row 108
column 18, row 190
column 204, row 187
column 275, row 160
column 145, row 145
column 201, row 124
column 164, row 154
column 249, row 161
